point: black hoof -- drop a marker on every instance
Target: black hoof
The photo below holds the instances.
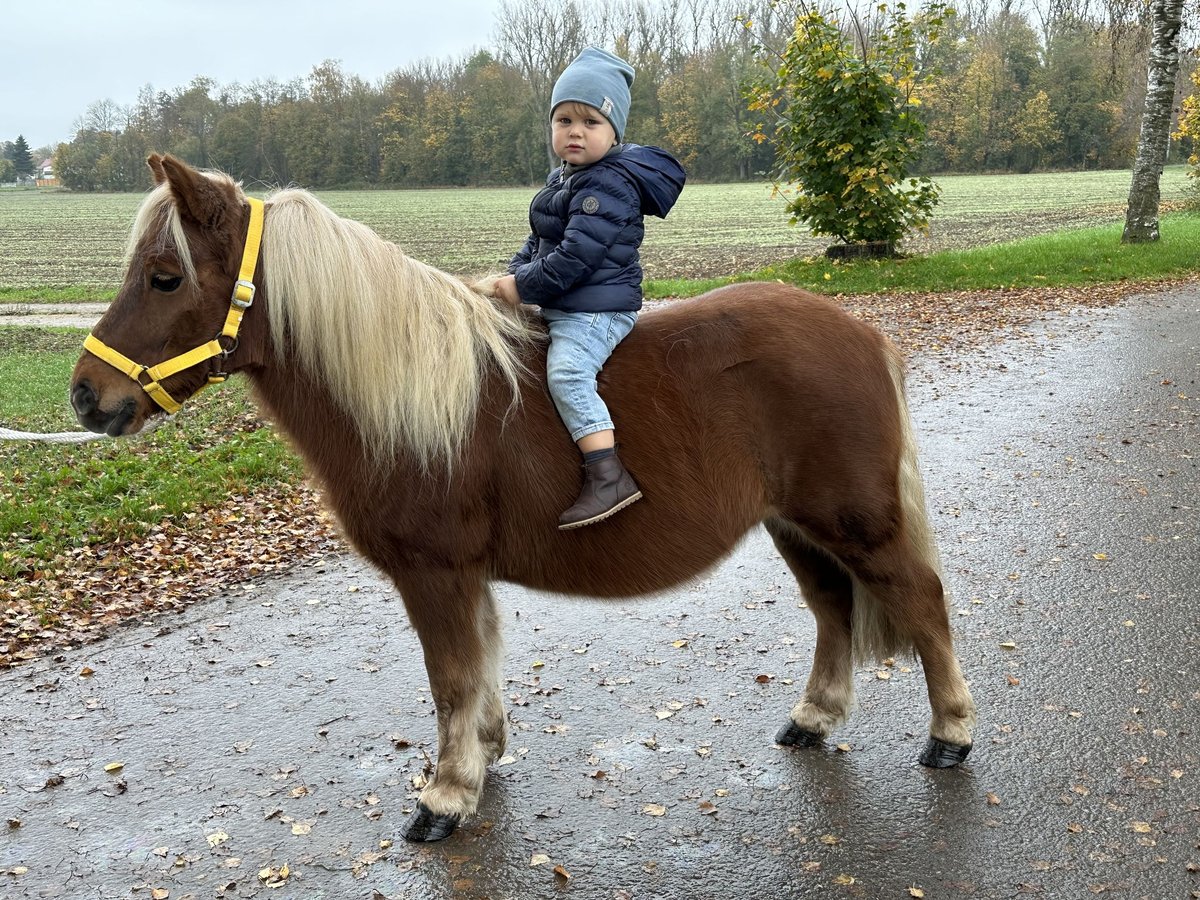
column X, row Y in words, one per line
column 792, row 735
column 940, row 755
column 426, row 825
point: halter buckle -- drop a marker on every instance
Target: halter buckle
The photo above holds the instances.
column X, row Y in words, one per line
column 243, row 294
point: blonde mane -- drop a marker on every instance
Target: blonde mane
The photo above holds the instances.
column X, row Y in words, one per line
column 403, row 347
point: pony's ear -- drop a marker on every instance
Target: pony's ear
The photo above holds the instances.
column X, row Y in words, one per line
column 154, row 161
column 200, row 199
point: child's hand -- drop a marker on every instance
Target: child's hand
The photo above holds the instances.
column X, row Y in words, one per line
column 506, row 289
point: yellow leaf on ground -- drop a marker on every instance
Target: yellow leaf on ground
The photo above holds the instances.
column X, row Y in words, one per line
column 538, row 859
column 160, row 894
column 217, row 838
column 114, row 767
column 915, row 891
column 654, row 809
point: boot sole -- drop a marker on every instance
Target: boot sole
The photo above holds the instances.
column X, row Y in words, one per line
column 604, row 515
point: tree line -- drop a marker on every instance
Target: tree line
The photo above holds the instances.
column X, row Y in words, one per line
column 1054, row 84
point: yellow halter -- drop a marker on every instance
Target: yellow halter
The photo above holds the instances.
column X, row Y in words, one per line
column 243, row 297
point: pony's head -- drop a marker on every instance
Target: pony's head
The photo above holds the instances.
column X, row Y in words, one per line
column 400, row 348
column 168, row 332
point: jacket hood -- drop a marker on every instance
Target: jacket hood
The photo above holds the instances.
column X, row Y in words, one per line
column 658, row 175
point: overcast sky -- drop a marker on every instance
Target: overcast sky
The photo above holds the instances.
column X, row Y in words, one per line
column 57, row 58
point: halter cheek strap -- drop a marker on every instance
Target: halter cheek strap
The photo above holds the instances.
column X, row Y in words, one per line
column 242, row 299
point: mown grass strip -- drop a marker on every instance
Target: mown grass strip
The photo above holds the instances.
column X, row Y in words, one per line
column 79, row 293
column 1061, row 259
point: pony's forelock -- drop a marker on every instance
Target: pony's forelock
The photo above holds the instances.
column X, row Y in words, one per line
column 159, row 222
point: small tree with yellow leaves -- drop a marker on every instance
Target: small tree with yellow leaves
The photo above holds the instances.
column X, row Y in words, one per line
column 848, row 128
column 1189, row 126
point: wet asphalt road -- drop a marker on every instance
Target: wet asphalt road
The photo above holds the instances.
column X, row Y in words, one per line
column 285, row 723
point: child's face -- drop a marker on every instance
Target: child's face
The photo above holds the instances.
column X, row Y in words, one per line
column 580, row 134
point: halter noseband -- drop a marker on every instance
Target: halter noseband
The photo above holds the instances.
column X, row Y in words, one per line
column 243, row 297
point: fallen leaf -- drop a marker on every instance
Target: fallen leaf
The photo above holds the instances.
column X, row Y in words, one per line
column 160, row 893
column 87, row 672
column 538, row 859
column 654, row 809
column 844, row 879
column 992, row 799
column 299, row 828
column 1141, row 827
column 562, row 873
column 114, row 767
column 764, row 679
column 217, row 838
column 1008, row 645
column 679, row 645
column 844, row 748
column 915, row 891
column 706, row 808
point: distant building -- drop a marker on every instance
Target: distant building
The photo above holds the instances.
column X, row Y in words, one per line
column 45, row 174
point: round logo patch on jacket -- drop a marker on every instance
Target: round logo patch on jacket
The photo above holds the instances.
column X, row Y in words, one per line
column 589, row 205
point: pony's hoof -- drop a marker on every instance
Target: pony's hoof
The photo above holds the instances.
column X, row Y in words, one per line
column 425, row 825
column 940, row 755
column 792, row 735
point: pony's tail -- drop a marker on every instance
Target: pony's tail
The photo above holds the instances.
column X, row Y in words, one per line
column 874, row 635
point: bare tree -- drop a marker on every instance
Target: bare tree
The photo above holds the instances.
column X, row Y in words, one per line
column 539, row 38
column 1141, row 217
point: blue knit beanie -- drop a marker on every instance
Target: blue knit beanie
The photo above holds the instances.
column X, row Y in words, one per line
column 599, row 79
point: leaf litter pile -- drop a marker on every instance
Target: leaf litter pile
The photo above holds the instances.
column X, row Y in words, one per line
column 81, row 597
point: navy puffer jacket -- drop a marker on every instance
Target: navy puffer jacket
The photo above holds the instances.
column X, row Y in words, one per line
column 587, row 226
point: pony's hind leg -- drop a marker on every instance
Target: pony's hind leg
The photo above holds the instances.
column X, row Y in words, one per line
column 900, row 602
column 829, row 695
column 456, row 620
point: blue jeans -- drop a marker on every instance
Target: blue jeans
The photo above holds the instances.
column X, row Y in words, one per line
column 580, row 344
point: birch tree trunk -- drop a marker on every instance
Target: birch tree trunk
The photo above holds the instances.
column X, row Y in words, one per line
column 1141, row 217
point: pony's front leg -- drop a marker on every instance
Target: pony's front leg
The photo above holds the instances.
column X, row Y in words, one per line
column 455, row 617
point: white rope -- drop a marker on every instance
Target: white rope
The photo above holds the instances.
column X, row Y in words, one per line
column 64, row 437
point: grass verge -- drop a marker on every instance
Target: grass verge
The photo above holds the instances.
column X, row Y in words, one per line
column 82, row 293
column 1061, row 259
column 57, row 498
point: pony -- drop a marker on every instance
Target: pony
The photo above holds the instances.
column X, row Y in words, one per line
column 419, row 404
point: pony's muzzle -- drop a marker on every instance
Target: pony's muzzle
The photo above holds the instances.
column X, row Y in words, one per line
column 86, row 403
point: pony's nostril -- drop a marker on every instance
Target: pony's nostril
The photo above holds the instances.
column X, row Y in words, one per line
column 83, row 399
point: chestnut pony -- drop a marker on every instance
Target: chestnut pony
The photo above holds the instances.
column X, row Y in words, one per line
column 420, row 404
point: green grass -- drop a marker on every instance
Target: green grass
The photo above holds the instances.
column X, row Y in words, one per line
column 1062, row 259
column 55, row 497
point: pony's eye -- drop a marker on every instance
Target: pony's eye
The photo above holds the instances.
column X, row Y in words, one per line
column 165, row 283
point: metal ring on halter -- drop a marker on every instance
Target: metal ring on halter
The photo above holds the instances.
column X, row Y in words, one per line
column 225, row 354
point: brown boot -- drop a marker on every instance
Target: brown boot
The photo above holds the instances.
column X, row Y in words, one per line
column 607, row 488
